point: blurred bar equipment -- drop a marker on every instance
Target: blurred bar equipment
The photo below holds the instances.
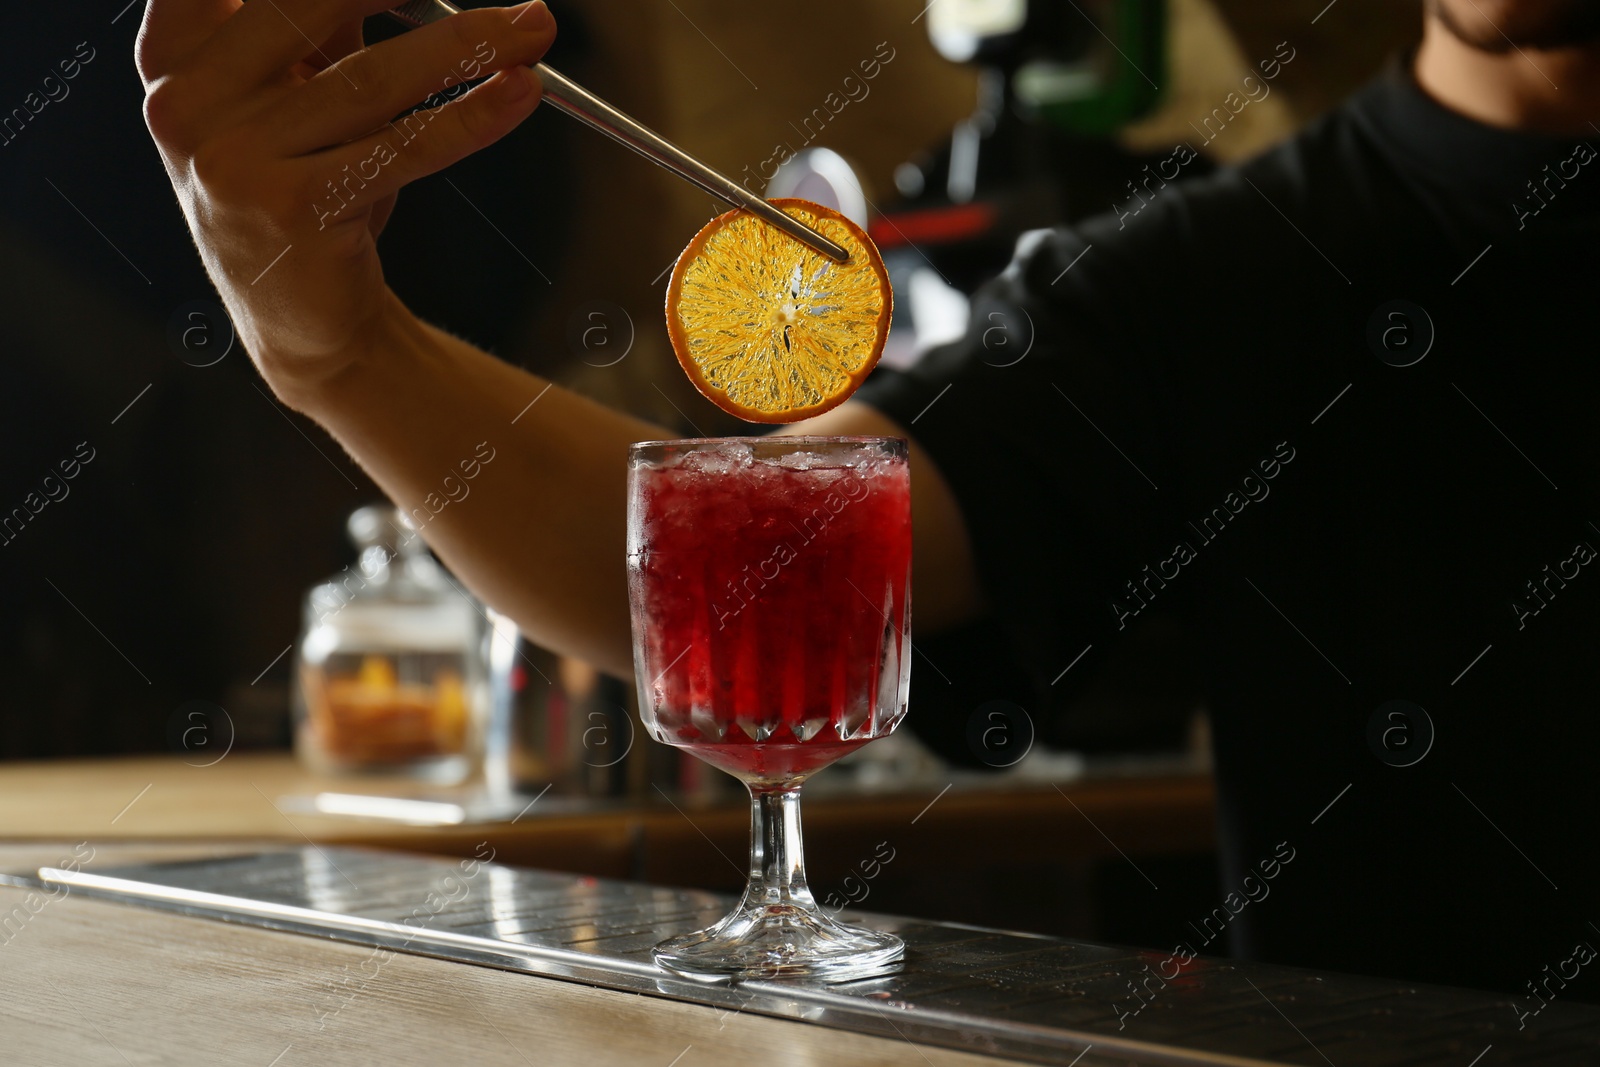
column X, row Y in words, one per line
column 400, row 671
column 554, row 722
column 389, row 673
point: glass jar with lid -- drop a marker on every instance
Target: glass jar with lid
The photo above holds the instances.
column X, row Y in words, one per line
column 389, row 672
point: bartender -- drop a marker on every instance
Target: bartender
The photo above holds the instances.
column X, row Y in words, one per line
column 1335, row 406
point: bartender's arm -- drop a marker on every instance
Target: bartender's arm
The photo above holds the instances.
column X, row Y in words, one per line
column 286, row 164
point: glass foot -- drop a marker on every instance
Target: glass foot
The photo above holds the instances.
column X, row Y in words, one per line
column 781, row 941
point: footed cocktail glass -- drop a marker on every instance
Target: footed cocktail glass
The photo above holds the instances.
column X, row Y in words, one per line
column 770, row 584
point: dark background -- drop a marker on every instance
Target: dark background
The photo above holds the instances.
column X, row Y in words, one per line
column 174, row 568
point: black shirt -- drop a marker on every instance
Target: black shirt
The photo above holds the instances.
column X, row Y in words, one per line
column 1336, row 408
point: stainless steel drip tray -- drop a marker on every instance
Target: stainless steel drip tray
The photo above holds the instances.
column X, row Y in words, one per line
column 1041, row 999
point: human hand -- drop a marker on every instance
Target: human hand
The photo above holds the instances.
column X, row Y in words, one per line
column 278, row 130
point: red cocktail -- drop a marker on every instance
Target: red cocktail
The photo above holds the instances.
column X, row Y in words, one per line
column 769, row 579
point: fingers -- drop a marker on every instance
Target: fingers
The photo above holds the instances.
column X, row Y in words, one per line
column 371, row 86
column 344, row 41
column 266, row 37
column 364, row 172
column 173, row 29
column 379, row 218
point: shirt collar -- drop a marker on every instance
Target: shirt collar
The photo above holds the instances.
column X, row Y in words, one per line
column 1447, row 149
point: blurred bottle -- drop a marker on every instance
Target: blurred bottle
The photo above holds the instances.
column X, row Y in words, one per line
column 390, row 673
column 555, row 721
column 558, row 722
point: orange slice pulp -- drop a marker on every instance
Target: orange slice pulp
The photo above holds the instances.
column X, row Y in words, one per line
column 768, row 328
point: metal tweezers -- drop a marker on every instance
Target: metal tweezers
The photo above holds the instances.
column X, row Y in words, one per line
column 567, row 95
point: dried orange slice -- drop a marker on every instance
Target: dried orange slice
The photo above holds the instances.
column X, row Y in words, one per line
column 770, row 329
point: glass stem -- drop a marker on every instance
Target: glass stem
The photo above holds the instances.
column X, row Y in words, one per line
column 777, row 858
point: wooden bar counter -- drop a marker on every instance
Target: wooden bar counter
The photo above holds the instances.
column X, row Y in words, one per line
column 331, row 955
column 965, row 823
column 92, row 983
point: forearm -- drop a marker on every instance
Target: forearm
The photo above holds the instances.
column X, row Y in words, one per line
column 519, row 486
column 538, row 531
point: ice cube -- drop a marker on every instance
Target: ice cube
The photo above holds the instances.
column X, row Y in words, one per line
column 838, row 459
column 726, row 457
column 804, row 461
